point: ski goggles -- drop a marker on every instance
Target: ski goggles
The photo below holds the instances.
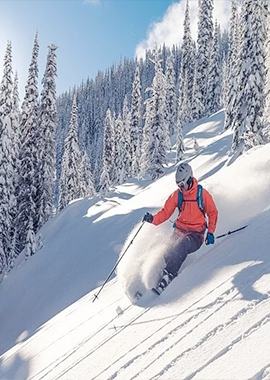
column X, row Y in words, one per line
column 183, row 186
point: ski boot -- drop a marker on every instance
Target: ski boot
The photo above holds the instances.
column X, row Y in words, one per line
column 164, row 282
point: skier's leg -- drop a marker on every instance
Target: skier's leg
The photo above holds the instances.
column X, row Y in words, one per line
column 181, row 247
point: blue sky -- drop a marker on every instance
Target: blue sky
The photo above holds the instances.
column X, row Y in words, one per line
column 91, row 34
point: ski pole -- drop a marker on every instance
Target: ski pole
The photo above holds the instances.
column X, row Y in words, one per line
column 118, row 261
column 232, row 232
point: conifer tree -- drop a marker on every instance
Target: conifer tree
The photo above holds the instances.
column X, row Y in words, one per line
column 16, row 118
column 70, row 180
column 7, row 157
column 171, row 102
column 180, row 147
column 250, row 98
column 233, row 66
column 146, row 135
column 15, row 163
column 120, row 152
column 214, row 78
column 46, row 141
column 156, row 140
column 125, row 140
column 106, row 178
column 27, row 182
column 184, row 106
column 197, row 105
column 196, row 145
column 204, row 43
column 266, row 114
column 30, row 244
column 187, row 71
column 136, row 122
column 225, row 84
column 87, row 183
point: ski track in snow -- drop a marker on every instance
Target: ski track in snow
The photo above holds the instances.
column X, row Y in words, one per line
column 46, row 329
column 40, row 375
column 221, row 300
column 171, row 334
column 197, row 332
column 210, row 335
column 263, row 374
column 93, row 350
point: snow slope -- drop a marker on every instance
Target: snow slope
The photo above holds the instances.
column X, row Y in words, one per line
column 212, row 322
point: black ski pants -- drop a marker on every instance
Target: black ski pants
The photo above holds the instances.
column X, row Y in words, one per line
column 182, row 244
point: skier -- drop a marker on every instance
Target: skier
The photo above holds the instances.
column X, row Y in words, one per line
column 193, row 202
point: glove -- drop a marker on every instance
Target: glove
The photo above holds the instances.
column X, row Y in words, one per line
column 148, row 218
column 210, row 238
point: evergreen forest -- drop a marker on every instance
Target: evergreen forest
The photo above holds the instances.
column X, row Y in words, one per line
column 55, row 148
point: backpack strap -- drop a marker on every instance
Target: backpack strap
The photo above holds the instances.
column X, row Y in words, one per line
column 180, row 199
column 199, row 199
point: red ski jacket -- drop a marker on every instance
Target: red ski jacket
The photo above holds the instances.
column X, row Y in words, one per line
column 190, row 217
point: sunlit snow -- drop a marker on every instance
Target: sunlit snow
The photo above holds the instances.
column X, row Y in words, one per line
column 212, row 322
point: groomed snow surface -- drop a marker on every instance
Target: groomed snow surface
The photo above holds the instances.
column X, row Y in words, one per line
column 212, row 322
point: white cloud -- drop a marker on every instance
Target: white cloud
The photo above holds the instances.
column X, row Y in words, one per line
column 170, row 29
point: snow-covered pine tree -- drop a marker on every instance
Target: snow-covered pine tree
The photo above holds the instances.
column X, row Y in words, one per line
column 196, row 106
column 266, row 114
column 171, row 102
column 119, row 161
column 46, row 141
column 225, row 85
column 7, row 158
column 106, row 178
column 136, row 122
column 184, row 106
column 187, row 71
column 233, row 66
column 157, row 139
column 214, row 77
column 15, row 128
column 30, row 244
column 223, row 45
column 250, row 100
column 70, row 184
column 125, row 140
column 27, row 182
column 117, row 148
column 196, row 145
column 16, row 114
column 204, row 48
column 147, row 74
column 188, row 53
column 146, row 134
column 180, row 147
column 87, row 183
column 96, row 153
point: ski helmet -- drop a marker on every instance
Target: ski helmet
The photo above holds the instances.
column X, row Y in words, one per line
column 183, row 174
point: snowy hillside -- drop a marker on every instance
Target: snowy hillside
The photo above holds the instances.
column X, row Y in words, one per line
column 212, row 322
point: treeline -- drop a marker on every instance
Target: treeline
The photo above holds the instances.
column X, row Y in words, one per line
column 27, row 156
column 120, row 124
column 127, row 115
column 124, row 113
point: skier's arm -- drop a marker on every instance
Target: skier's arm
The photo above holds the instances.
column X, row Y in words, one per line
column 211, row 211
column 167, row 210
